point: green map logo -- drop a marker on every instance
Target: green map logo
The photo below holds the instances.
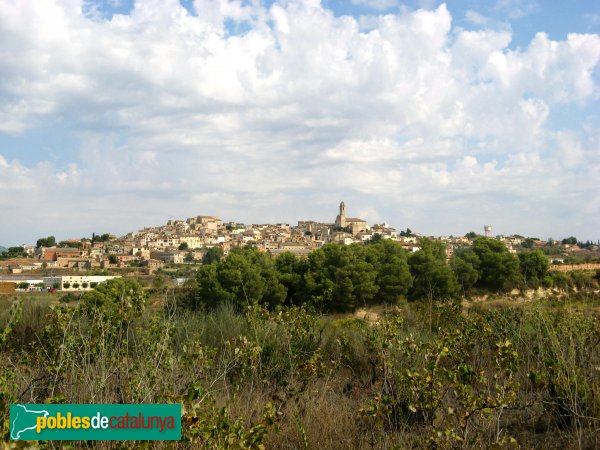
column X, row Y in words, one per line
column 95, row 422
column 24, row 420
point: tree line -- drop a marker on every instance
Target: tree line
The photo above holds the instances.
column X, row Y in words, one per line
column 50, row 241
column 342, row 278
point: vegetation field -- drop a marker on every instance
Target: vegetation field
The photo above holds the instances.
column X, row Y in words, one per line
column 424, row 368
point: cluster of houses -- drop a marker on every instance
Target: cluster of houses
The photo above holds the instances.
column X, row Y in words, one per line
column 180, row 241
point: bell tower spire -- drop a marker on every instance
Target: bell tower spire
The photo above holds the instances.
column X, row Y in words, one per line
column 340, row 221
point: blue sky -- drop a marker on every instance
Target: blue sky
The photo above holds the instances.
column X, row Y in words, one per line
column 436, row 116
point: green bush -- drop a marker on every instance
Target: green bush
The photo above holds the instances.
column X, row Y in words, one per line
column 410, row 376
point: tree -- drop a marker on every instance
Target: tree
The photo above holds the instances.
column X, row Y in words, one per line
column 49, row 241
column 23, row 285
column 407, row 233
column 355, row 285
column 394, row 279
column 319, row 278
column 189, row 257
column 471, row 235
column 100, row 238
column 212, row 255
column 112, row 259
column 375, row 238
column 291, row 271
column 183, row 246
column 241, row 275
column 533, row 266
column 498, row 269
column 346, row 229
column 393, row 274
column 206, row 289
column 13, row 252
column 69, row 244
column 569, row 241
column 275, row 292
column 433, row 279
column 465, row 265
column 528, row 243
column 112, row 306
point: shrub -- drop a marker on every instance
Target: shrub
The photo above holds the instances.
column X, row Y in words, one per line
column 70, row 297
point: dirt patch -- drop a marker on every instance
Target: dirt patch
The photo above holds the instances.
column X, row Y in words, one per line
column 371, row 315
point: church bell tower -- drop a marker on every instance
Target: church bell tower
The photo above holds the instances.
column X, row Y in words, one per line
column 340, row 220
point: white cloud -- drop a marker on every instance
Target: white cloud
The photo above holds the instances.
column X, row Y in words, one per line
column 377, row 4
column 476, row 18
column 176, row 115
column 517, row 9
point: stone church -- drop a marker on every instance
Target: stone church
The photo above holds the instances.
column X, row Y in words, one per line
column 355, row 224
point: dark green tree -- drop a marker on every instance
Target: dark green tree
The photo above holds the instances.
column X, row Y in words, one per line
column 69, row 244
column 291, row 271
column 433, row 278
column 498, row 269
column 570, row 241
column 528, row 243
column 318, row 278
column 250, row 277
column 407, row 233
column 49, row 241
column 534, row 266
column 355, row 285
column 13, row 252
column 465, row 265
column 394, row 279
column 206, row 290
column 375, row 238
column 393, row 274
column 213, row 254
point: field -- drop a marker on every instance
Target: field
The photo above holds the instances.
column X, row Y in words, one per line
column 498, row 372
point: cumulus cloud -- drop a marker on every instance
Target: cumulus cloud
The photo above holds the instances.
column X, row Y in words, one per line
column 277, row 112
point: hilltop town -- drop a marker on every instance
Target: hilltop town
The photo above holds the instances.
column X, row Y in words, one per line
column 189, row 240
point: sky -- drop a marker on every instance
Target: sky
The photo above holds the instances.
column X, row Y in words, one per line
column 441, row 117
